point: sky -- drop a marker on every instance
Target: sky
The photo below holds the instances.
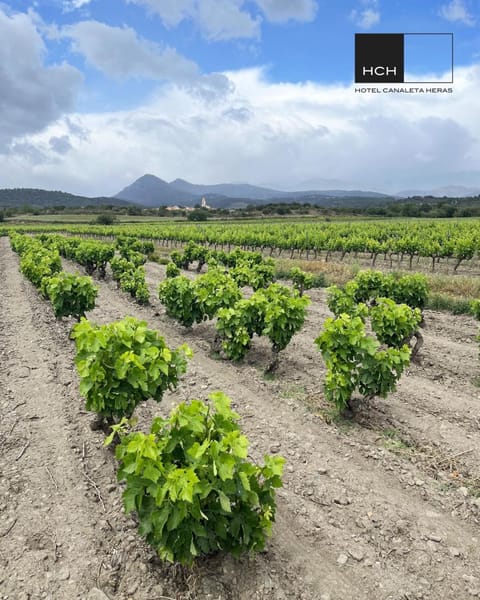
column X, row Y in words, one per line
column 96, row 93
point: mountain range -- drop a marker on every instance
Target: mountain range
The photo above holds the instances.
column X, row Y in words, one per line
column 151, row 191
column 450, row 191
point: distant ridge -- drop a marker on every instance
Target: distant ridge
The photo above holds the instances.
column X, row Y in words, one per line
column 17, row 197
column 451, row 191
column 152, row 191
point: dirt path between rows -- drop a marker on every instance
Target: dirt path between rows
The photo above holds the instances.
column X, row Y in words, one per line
column 357, row 518
column 49, row 528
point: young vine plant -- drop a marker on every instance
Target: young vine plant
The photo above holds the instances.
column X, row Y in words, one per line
column 191, row 485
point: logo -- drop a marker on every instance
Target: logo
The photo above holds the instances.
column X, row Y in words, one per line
column 394, row 57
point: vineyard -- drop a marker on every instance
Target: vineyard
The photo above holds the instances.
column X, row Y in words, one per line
column 400, row 242
column 200, row 430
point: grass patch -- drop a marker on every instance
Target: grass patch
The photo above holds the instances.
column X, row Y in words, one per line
column 294, row 391
column 268, row 375
column 326, row 273
column 456, row 286
column 392, row 440
column 319, row 279
column 445, row 302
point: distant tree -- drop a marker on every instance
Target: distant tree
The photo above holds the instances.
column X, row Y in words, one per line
column 2, row 216
column 446, row 211
column 105, row 219
column 410, row 210
column 134, row 210
column 198, row 215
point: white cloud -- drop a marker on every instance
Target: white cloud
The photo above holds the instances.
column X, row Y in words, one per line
column 32, row 94
column 70, row 5
column 285, row 10
column 365, row 18
column 456, row 10
column 172, row 12
column 216, row 19
column 60, row 144
column 229, row 19
column 224, row 20
column 283, row 133
column 121, row 54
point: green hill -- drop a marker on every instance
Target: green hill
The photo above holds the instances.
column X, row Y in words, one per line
column 18, row 197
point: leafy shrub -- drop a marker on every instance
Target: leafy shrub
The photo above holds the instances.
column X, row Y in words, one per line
column 119, row 266
column 301, row 280
column 128, row 243
column 67, row 247
column 194, row 301
column 276, row 312
column 172, row 270
column 178, row 296
column 475, row 309
column 123, row 364
column 411, row 290
column 20, row 242
column 355, row 359
column 199, row 253
column 94, row 256
column 368, row 286
column 394, row 324
column 136, row 258
column 192, row 488
column 38, row 262
column 236, row 329
column 179, row 259
column 215, row 290
column 132, row 280
column 339, row 301
column 256, row 275
column 284, row 314
column 237, row 256
column 70, row 295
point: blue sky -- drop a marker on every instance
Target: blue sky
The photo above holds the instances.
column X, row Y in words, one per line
column 100, row 91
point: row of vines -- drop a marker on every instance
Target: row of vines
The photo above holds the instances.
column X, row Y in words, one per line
column 188, row 479
column 436, row 240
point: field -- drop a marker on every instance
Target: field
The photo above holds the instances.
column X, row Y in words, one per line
column 382, row 506
column 83, row 218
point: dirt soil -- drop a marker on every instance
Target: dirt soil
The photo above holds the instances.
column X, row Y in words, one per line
column 384, row 506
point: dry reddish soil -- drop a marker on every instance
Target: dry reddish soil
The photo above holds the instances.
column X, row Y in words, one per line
column 384, row 506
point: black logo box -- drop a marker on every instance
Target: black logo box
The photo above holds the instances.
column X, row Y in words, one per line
column 380, row 58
